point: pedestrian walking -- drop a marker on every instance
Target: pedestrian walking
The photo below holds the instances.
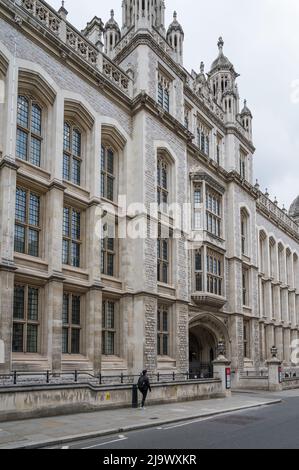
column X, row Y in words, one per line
column 144, row 386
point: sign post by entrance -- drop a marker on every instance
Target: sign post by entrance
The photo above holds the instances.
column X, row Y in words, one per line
column 228, row 377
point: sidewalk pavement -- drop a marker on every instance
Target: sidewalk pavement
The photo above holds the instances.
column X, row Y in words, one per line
column 37, row 433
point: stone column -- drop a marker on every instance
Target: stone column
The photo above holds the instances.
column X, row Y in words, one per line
column 220, row 365
column 181, row 333
column 150, row 334
column 287, row 343
column 274, row 383
column 53, row 315
column 53, row 227
column 262, row 343
column 237, row 347
column 93, row 324
column 8, row 170
column 6, row 318
column 279, row 341
column 270, row 340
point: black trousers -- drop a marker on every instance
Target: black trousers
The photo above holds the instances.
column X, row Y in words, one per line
column 144, row 395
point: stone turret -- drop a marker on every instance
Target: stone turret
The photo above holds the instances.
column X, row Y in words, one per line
column 111, row 35
column 175, row 38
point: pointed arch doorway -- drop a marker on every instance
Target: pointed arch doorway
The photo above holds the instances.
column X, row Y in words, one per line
column 205, row 333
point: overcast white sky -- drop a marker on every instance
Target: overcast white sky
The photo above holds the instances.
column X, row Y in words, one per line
column 262, row 40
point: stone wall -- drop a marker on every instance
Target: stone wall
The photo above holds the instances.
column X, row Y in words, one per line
column 37, row 402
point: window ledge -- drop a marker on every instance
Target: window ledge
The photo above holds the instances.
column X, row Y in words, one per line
column 32, row 259
column 76, row 188
column 37, row 170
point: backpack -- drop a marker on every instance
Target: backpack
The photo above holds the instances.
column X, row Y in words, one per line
column 142, row 382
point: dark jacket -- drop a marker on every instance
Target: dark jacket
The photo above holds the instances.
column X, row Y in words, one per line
column 144, row 383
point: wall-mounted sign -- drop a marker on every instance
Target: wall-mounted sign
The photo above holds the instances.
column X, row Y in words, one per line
column 228, row 378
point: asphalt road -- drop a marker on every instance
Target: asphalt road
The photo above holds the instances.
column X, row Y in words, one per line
column 270, row 427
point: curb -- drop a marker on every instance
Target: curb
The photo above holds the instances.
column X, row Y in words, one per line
column 108, row 432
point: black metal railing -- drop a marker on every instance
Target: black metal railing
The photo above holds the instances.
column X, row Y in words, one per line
column 253, row 374
column 19, row 378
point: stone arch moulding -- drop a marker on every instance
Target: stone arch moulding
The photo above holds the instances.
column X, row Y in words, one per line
column 215, row 326
column 76, row 111
column 113, row 136
column 161, row 146
column 33, row 82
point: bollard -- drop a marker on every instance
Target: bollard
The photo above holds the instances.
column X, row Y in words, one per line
column 15, row 378
column 100, row 379
column 48, row 377
column 134, row 396
column 76, row 376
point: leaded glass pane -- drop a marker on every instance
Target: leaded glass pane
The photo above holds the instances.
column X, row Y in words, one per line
column 76, row 177
column 75, row 341
column 110, row 315
column 166, row 100
column 110, row 264
column 65, row 341
column 165, row 345
column 17, row 338
column 36, row 119
column 33, row 242
column 22, row 144
column 66, row 167
column 76, row 310
column 165, row 273
column 19, row 243
column 67, row 137
column 198, row 265
column 18, row 306
column 165, row 250
column 103, row 159
column 35, row 151
column 110, row 162
column 65, row 309
column 21, row 205
column 108, row 343
column 164, row 178
column 76, row 217
column 110, row 188
column 23, row 111
column 165, row 321
column 32, row 335
column 102, row 185
column 65, row 252
column 160, row 94
column 66, row 221
column 76, row 143
column 75, row 255
column 32, row 304
column 110, row 244
column 34, row 210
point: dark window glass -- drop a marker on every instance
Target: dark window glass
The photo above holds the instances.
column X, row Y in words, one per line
column 17, row 338
column 19, row 299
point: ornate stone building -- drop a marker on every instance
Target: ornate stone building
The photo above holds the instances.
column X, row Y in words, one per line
column 86, row 117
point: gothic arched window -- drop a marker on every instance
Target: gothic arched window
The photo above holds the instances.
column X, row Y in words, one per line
column 72, row 153
column 29, row 130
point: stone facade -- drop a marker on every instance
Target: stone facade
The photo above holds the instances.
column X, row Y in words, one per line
column 228, row 269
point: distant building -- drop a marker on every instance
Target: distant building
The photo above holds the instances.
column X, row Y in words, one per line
column 87, row 117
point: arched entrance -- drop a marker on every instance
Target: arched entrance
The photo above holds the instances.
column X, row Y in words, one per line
column 205, row 332
column 202, row 352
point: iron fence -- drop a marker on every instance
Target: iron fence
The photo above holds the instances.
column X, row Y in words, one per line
column 19, row 378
